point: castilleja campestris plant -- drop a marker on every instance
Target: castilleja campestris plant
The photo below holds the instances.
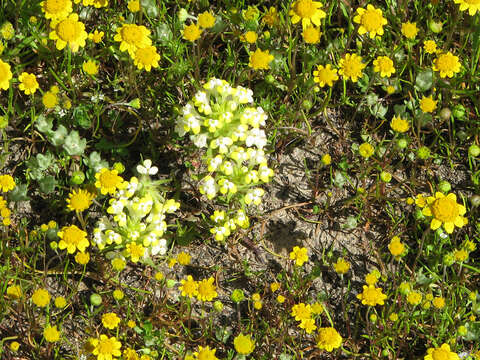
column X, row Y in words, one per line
column 137, row 212
column 224, row 121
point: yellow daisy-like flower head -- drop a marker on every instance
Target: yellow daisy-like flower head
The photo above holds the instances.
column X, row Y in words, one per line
column 6, row 184
column 351, row 67
column 447, row 64
column 82, row 258
column 135, row 251
column 132, row 37
column 41, row 297
column 301, row 311
column 79, row 200
column 90, row 67
column 189, row 287
column 441, row 353
column 110, row 320
column 50, row 99
column 108, row 181
column 325, row 75
column 384, row 66
column 205, row 353
column 341, row 266
column 206, row 20
column 396, row 247
column 328, row 339
column 106, row 348
column 366, row 150
column 5, row 75
column 14, row 292
column 28, row 83
column 308, row 11
column 244, row 344
column 399, row 125
column 311, row 35
column 72, row 238
column 427, row 104
column 249, row 37
column 207, row 290
column 271, row 17
column 146, row 58
column 134, row 5
column 192, row 32
column 299, row 254
column 372, row 296
column 260, row 60
column 56, row 9
column 68, row 31
column 51, row 334
column 409, row 30
column 371, row 21
column 96, row 36
column 430, row 46
column 473, row 6
column 445, row 211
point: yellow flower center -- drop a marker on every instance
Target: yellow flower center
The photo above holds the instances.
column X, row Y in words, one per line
column 370, row 295
column 68, row 30
column 205, row 354
column 146, row 55
column 109, row 179
column 446, row 62
column 3, row 72
column 189, row 287
column 73, row 235
column 305, row 9
column 29, row 81
column 55, row 6
column 445, row 210
column 105, row 347
column 372, row 20
column 440, row 354
column 131, row 34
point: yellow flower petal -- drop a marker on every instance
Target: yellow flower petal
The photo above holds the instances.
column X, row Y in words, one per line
column 435, row 224
column 448, row 226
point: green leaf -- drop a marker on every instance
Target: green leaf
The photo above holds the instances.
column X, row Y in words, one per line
column 19, row 193
column 95, row 162
column 74, row 145
column 47, row 184
column 80, row 116
column 150, row 8
column 44, row 161
column 44, row 125
column 58, row 136
column 424, row 80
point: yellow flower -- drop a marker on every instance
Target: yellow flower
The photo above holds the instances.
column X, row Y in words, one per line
column 351, row 67
column 106, row 348
column 274, row 286
column 441, row 353
column 409, row 30
column 308, row 11
column 5, row 75
column 28, row 83
column 110, row 320
column 191, row 32
column 252, row 13
column 68, row 31
column 118, row 264
column 118, row 294
column 260, row 59
column 326, row 159
column 430, row 46
column 50, row 99
column 54, row 9
column 299, row 254
column 206, row 290
column 396, row 247
column 7, row 30
column 206, row 20
column 14, row 292
column 205, row 353
column 108, row 181
column 308, row 325
column 447, row 64
column 445, row 211
column 135, row 251
column 60, row 302
column 301, row 311
column 250, row 37
column 390, row 89
column 414, row 298
column 51, row 334
column 325, row 75
column 427, row 104
column 311, row 35
column 371, row 21
column 460, row 255
column 383, row 65
column 366, row 150
column 82, row 258
column 14, row 346
column 281, row 299
column 90, row 67
column 371, row 278
column 244, row 344
column 41, row 297
column 146, row 58
column 317, row 308
column 184, row 258
column 473, row 6
column 72, row 238
column 130, row 354
column 271, row 17
column 132, row 37
column 399, row 125
column 7, row 183
column 438, row 302
column 393, row 317
column 79, row 200
column 189, row 287
column 371, row 296
column 341, row 266
column 134, row 5
column 96, row 36
column 328, row 339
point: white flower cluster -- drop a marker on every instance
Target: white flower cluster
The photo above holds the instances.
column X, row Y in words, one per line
column 223, row 119
column 137, row 217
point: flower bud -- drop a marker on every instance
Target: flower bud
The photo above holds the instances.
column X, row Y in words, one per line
column 78, row 177
column 474, row 150
column 444, row 186
column 95, row 299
